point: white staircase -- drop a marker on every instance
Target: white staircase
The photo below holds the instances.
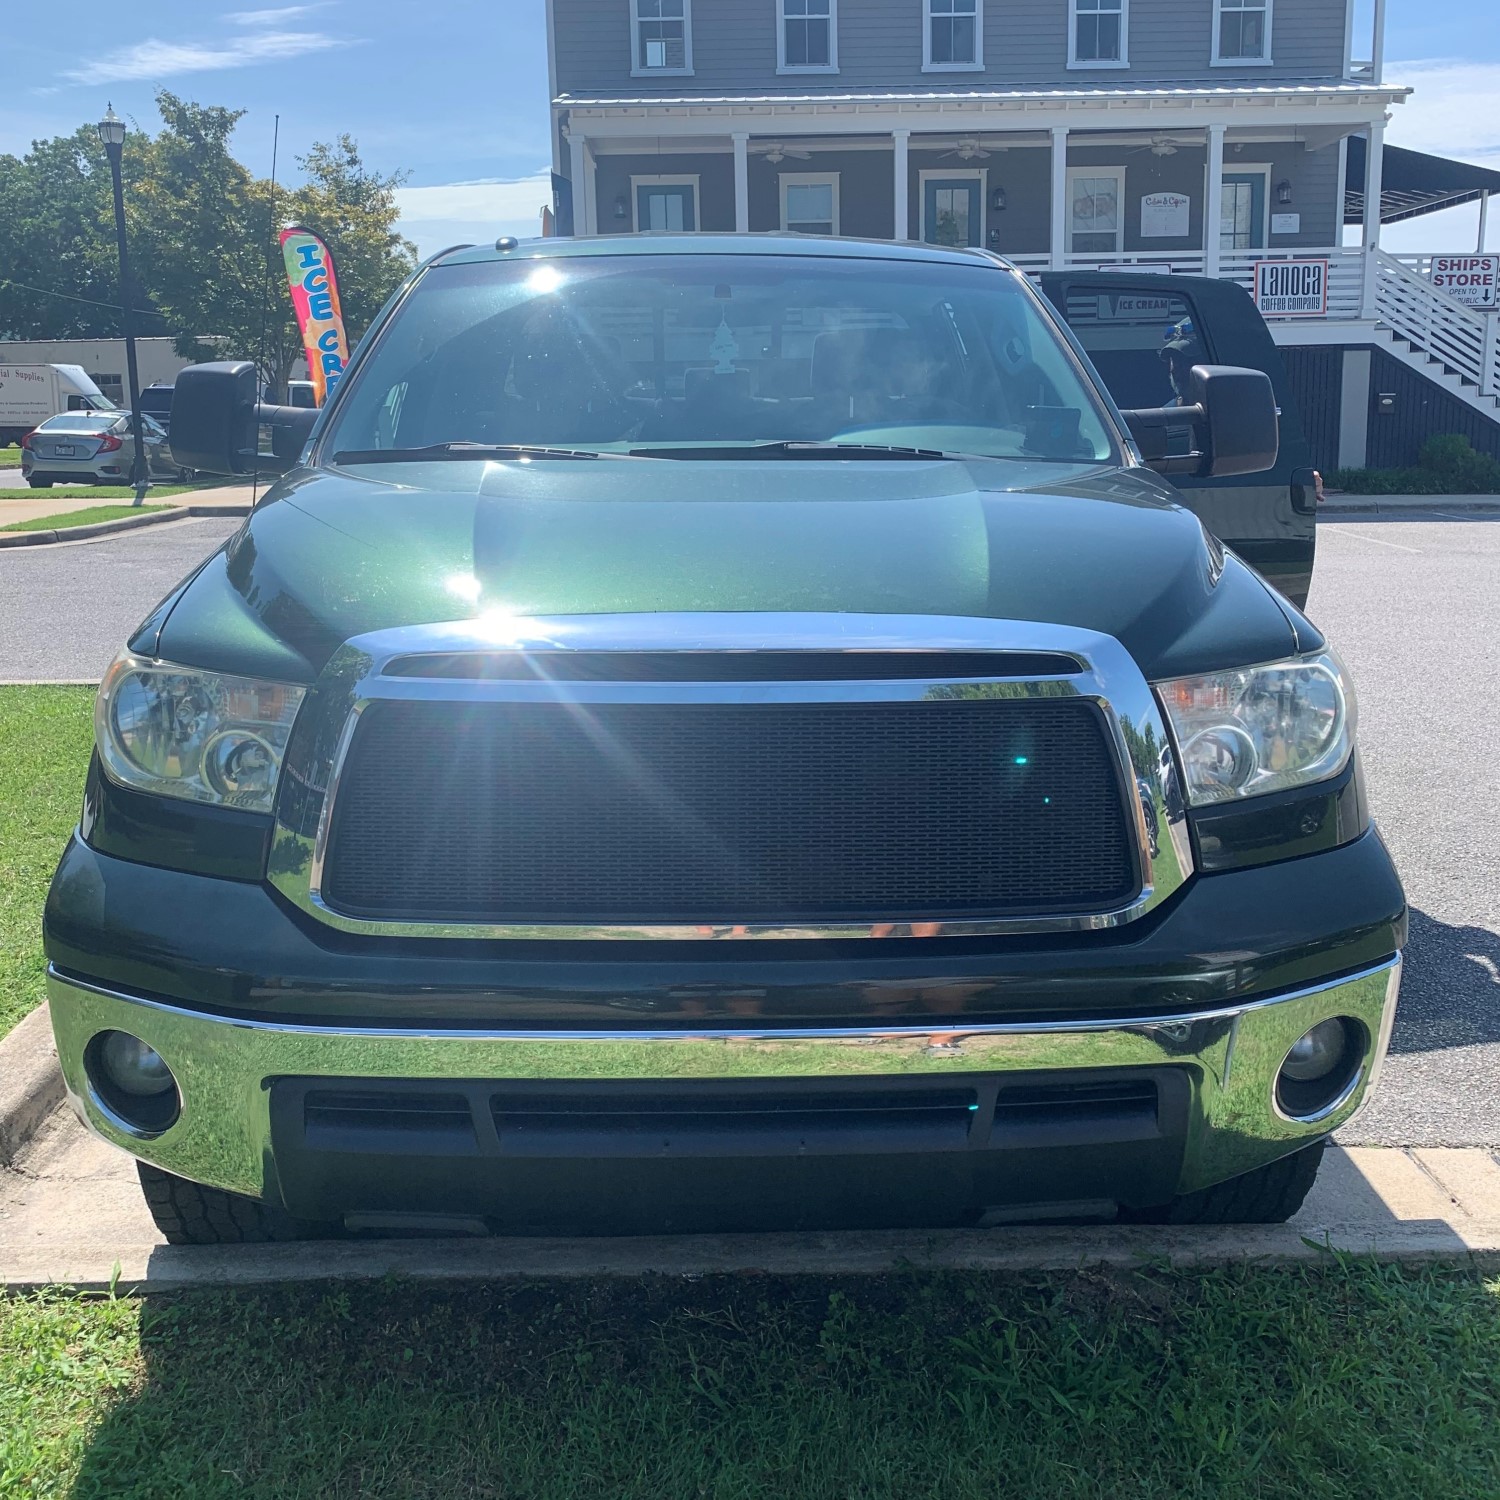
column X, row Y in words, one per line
column 1455, row 347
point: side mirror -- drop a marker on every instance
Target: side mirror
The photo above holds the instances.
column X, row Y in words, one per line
column 1233, row 417
column 220, row 427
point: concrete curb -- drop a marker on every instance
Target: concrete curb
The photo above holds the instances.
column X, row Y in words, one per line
column 122, row 523
column 161, row 1268
column 31, row 1084
column 1408, row 505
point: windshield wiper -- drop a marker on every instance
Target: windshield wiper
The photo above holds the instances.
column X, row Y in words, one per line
column 799, row 449
column 465, row 451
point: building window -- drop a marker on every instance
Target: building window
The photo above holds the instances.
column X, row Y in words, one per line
column 1096, row 214
column 663, row 36
column 1242, row 31
column 810, row 203
column 664, row 205
column 954, row 35
column 1099, row 37
column 807, row 36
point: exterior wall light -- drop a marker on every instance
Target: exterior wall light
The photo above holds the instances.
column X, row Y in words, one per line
column 1283, row 191
column 622, row 207
column 997, row 200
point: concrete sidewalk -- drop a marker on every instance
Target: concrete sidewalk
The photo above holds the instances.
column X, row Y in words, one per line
column 64, row 502
column 71, row 1213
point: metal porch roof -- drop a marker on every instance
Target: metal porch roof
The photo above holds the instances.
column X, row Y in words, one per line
column 1413, row 183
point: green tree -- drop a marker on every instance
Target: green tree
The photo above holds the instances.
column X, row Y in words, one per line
column 57, row 236
column 204, row 238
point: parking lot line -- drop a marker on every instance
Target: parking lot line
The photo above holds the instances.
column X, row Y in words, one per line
column 1361, row 537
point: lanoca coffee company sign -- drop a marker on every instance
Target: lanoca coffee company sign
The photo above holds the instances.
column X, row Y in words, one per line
column 1292, row 288
column 1470, row 279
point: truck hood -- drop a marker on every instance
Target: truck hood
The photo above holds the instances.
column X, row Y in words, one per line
column 333, row 553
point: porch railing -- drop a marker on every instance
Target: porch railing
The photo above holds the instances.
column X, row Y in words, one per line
column 1463, row 339
column 1345, row 268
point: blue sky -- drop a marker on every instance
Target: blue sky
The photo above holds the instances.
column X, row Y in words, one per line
column 454, row 92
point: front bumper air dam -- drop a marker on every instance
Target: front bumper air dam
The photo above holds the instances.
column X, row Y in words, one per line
column 226, row 1068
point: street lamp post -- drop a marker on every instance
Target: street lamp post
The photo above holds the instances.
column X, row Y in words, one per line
column 112, row 134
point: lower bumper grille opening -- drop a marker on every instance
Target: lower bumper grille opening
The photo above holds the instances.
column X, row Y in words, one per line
column 1063, row 1113
column 760, row 1124
column 655, row 1156
column 396, row 1121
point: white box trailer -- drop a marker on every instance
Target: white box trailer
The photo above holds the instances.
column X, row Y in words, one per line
column 29, row 394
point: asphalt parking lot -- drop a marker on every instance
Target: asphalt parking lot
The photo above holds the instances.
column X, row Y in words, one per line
column 1414, row 606
column 66, row 610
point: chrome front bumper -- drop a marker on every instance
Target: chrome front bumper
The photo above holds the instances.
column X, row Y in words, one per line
column 225, row 1067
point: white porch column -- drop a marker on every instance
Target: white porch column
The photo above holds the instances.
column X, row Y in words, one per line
column 1213, row 204
column 1377, row 44
column 1059, row 242
column 1374, row 174
column 591, row 188
column 577, row 177
column 1484, row 220
column 741, row 182
column 902, row 169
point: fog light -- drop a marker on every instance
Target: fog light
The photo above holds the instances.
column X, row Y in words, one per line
column 1316, row 1054
column 132, row 1083
column 133, row 1067
column 1322, row 1068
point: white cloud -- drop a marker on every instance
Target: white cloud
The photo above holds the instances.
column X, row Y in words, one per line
column 153, row 59
column 1452, row 111
column 472, row 212
column 486, row 198
column 274, row 17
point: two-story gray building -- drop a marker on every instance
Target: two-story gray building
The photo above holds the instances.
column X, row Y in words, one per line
column 1203, row 136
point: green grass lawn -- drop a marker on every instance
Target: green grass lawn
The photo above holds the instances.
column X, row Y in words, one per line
column 80, row 518
column 1345, row 1380
column 64, row 519
column 45, row 737
column 100, row 492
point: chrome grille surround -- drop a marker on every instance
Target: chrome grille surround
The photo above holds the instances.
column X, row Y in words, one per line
column 377, row 667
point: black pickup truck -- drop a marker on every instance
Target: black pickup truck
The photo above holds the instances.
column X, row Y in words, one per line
column 716, row 732
column 1143, row 333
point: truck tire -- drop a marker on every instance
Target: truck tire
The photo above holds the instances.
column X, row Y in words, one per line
column 188, row 1213
column 1268, row 1195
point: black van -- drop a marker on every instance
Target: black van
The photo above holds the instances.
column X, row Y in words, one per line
column 1141, row 331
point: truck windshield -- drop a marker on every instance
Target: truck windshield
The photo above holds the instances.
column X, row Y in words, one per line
column 617, row 353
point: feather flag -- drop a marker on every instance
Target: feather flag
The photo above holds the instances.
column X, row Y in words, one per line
column 315, row 298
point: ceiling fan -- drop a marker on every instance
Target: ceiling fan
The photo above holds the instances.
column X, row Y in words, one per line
column 774, row 152
column 1161, row 145
column 968, row 150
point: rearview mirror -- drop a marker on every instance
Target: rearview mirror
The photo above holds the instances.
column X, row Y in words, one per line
column 219, row 425
column 1234, row 423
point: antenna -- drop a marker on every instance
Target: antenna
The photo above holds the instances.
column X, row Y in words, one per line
column 265, row 306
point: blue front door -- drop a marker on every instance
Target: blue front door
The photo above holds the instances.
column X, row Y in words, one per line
column 952, row 211
column 665, row 206
column 1243, row 224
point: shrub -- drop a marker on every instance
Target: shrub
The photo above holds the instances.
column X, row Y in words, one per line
column 1446, row 465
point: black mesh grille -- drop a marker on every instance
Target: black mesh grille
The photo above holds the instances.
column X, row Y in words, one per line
column 661, row 813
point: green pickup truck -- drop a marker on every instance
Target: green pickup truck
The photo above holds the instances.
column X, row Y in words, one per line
column 726, row 732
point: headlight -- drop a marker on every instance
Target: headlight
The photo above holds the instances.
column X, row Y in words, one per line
column 203, row 736
column 1261, row 729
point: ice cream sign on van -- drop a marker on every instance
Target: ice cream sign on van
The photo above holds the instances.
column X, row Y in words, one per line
column 1470, row 279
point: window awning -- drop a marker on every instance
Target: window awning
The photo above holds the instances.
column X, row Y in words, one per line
column 1413, row 183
